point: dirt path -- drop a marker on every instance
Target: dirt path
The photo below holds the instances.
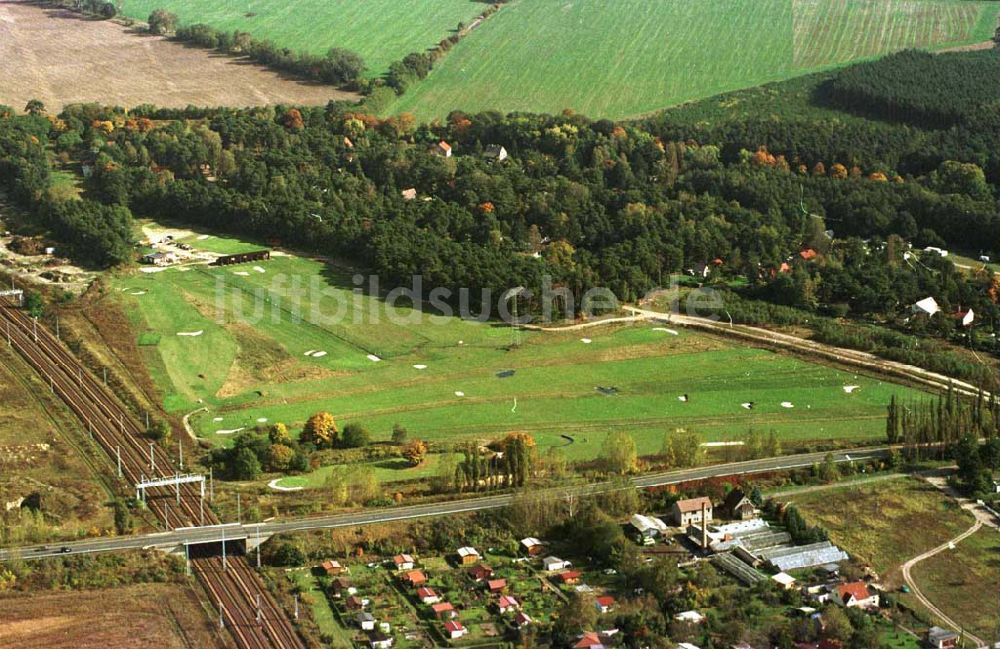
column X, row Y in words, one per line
column 837, row 485
column 908, row 566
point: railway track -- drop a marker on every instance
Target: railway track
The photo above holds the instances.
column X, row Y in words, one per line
column 247, row 610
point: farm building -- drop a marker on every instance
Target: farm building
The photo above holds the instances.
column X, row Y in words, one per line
column 938, row 638
column 647, row 528
column 532, row 546
column 495, row 152
column 806, row 556
column 467, row 556
column 159, row 258
column 551, row 564
column 738, row 507
column 243, row 258
column 690, row 511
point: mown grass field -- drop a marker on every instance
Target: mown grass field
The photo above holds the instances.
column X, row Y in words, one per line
column 634, row 56
column 446, row 379
column 381, row 31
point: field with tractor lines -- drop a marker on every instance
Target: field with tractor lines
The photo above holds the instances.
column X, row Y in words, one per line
column 634, row 56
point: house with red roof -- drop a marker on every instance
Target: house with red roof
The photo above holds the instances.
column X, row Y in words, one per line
column 442, row 148
column 496, row 585
column 443, row 610
column 480, row 572
column 589, row 640
column 403, row 562
column 569, row 577
column 604, row 604
column 522, row 619
column 332, row 567
column 415, row 577
column 808, row 254
column 507, row 603
column 856, row 595
column 454, row 629
column 428, row 596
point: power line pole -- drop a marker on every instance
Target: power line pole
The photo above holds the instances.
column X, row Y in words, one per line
column 118, row 453
column 152, row 462
column 222, row 622
column 239, row 510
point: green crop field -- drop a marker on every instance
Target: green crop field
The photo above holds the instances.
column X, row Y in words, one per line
column 630, row 57
column 381, row 31
column 447, row 379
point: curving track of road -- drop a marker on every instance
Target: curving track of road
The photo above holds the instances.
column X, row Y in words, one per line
column 249, row 612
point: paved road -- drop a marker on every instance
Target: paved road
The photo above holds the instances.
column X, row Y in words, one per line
column 177, row 538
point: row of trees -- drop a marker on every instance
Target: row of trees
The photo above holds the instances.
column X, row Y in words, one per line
column 509, row 462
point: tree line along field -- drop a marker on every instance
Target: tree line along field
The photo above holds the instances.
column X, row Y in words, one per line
column 381, row 31
column 446, row 379
column 635, row 56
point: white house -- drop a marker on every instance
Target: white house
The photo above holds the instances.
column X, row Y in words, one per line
column 857, row 595
column 927, row 306
column 965, row 318
column 428, row 596
column 379, row 640
column 693, row 617
column 689, row 512
column 495, row 152
column 366, row 621
column 454, row 629
column 784, row 580
column 552, row 564
column 403, row 562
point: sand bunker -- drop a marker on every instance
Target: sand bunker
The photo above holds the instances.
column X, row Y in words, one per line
column 373, row 358
column 262, row 420
column 229, row 431
column 849, row 389
column 319, row 354
column 420, row 367
column 683, row 398
column 137, row 293
column 259, row 269
column 242, row 273
column 787, row 404
column 664, row 329
column 202, row 237
column 459, row 393
column 273, row 484
column 190, row 333
column 748, row 405
column 309, row 353
column 217, row 419
column 586, row 341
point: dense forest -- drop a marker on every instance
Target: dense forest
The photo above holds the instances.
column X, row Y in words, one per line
column 808, row 212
